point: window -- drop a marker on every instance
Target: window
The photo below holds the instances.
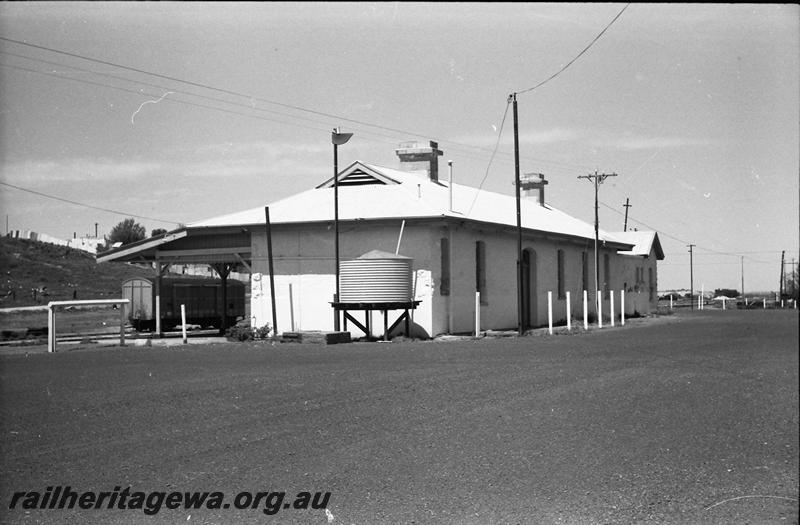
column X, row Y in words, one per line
column 585, row 270
column 606, row 276
column 561, row 285
column 444, row 248
column 480, row 270
column 652, row 284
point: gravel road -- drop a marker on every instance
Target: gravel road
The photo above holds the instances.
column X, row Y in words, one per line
column 693, row 419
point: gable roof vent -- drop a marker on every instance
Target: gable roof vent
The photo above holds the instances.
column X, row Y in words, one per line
column 359, row 177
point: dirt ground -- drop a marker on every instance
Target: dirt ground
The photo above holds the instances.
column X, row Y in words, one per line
column 690, row 418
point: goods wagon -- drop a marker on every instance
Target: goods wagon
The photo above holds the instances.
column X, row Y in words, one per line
column 201, row 297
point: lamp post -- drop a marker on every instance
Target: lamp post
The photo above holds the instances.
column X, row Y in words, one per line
column 337, row 139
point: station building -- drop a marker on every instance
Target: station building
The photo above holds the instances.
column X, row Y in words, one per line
column 461, row 240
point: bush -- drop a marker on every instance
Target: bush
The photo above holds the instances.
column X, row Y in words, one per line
column 248, row 333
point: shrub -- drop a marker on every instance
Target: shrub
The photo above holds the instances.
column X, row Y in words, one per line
column 248, row 333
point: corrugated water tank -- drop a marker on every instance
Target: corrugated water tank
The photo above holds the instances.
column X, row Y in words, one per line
column 375, row 277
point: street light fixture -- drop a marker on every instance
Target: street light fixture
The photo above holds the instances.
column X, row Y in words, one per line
column 337, row 139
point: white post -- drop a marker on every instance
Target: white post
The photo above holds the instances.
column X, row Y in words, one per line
column 157, row 292
column 477, row 314
column 585, row 310
column 51, row 328
column 550, row 313
column 612, row 307
column 599, row 309
column 622, row 307
column 699, row 302
column 122, row 325
column 569, row 313
column 702, row 296
column 183, row 322
column 765, row 303
column 670, row 301
column 723, row 303
column 291, row 307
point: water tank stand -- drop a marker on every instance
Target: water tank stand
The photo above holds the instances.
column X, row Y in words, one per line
column 384, row 307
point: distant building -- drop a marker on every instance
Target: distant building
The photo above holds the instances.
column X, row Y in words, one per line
column 86, row 244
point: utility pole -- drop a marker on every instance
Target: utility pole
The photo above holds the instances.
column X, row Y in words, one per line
column 780, row 291
column 743, row 298
column 691, row 275
column 95, row 230
column 597, row 178
column 520, row 321
column 626, row 213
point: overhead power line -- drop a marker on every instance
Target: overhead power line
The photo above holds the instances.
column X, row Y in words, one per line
column 663, row 233
column 386, row 138
column 116, row 212
column 251, row 98
column 551, row 77
column 497, row 145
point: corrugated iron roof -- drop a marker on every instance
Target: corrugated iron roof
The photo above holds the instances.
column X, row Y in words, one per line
column 643, row 243
column 403, row 195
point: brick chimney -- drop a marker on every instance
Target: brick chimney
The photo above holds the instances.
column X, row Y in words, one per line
column 414, row 157
column 533, row 183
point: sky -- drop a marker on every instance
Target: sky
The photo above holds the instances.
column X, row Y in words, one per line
column 186, row 111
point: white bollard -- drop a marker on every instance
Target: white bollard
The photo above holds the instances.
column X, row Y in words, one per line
column 569, row 314
column 622, row 307
column 291, row 308
column 699, row 302
column 612, row 308
column 765, row 303
column 550, row 313
column 599, row 309
column 723, row 303
column 183, row 322
column 51, row 329
column 703, row 296
column 477, row 314
column 670, row 301
column 585, row 310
